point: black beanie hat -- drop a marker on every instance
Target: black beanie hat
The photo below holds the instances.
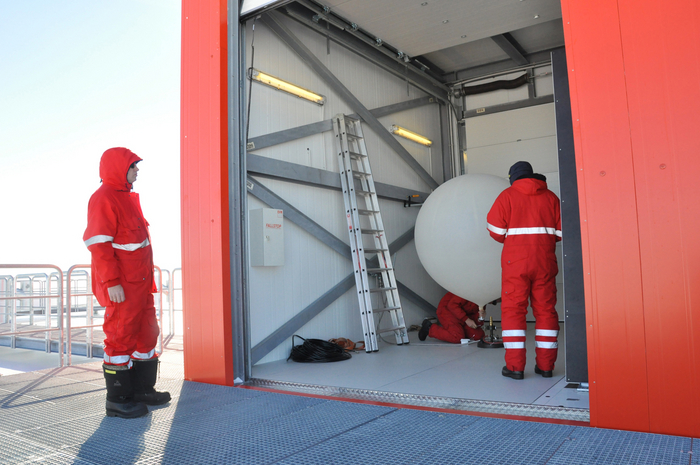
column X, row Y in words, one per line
column 519, row 170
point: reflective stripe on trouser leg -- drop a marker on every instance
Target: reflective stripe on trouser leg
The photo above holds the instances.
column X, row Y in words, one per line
column 546, row 348
column 514, row 342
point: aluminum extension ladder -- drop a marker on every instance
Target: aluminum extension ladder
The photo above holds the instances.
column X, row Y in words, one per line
column 365, row 221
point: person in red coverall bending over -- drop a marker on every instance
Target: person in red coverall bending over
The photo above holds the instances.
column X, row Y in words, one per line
column 526, row 219
column 459, row 319
column 122, row 280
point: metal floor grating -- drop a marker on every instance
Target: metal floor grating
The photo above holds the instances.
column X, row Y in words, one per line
column 435, row 402
column 56, row 416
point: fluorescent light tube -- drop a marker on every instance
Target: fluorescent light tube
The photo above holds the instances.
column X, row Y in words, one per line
column 279, row 84
column 403, row 132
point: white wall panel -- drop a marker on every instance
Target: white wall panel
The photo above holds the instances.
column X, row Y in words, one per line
column 544, row 85
column 508, row 126
column 311, row 268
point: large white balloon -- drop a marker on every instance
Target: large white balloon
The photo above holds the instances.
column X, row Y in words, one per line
column 452, row 241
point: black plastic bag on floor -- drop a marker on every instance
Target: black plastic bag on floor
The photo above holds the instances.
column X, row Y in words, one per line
column 317, row 351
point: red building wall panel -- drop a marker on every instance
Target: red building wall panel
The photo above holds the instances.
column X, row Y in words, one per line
column 610, row 238
column 204, row 187
column 661, row 44
column 634, row 78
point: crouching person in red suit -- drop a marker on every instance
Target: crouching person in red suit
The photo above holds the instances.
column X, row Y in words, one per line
column 122, row 280
column 458, row 318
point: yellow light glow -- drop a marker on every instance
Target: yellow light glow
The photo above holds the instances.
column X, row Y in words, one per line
column 279, row 84
column 399, row 131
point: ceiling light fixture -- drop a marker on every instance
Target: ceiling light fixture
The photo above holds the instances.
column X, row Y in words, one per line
column 285, row 86
column 445, row 21
column 537, row 16
column 410, row 135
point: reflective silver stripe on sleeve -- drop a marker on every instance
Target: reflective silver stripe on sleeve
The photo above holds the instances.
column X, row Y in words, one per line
column 538, row 230
column 513, row 333
column 130, row 247
column 496, row 230
column 98, row 239
column 143, row 356
column 546, row 345
column 514, row 345
column 547, row 332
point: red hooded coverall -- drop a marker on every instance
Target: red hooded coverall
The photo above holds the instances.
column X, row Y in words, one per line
column 452, row 313
column 526, row 219
column 117, row 237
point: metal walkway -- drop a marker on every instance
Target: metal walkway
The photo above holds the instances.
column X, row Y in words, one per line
column 56, row 416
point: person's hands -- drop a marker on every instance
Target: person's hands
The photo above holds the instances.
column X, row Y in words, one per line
column 470, row 323
column 116, row 293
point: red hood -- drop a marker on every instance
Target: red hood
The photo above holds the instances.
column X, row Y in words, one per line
column 114, row 166
column 530, row 186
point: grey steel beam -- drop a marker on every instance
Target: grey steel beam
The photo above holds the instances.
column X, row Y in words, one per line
column 508, row 44
column 508, row 106
column 377, row 55
column 302, row 174
column 272, row 20
column 317, row 306
column 293, row 214
column 415, row 298
column 237, row 198
column 288, row 329
column 446, row 139
column 287, row 135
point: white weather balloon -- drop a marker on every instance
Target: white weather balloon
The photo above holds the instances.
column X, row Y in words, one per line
column 452, row 241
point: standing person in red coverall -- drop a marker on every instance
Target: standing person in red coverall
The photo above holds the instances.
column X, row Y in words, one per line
column 122, row 280
column 459, row 319
column 526, row 219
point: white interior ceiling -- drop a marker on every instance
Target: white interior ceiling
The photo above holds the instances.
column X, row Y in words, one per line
column 417, row 27
column 455, row 35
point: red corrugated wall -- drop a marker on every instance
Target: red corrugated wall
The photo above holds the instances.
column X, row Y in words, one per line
column 204, row 193
column 635, row 90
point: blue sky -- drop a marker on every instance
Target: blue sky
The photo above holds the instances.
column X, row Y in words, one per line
column 77, row 78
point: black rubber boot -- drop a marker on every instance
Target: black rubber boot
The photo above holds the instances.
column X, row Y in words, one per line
column 144, row 377
column 424, row 329
column 512, row 374
column 545, row 374
column 119, row 393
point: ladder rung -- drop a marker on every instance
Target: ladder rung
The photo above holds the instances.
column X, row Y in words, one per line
column 360, row 174
column 356, row 155
column 385, row 309
column 372, row 231
column 352, row 118
column 376, row 250
column 378, row 270
column 391, row 330
column 364, row 192
column 381, row 289
column 367, row 212
column 353, row 136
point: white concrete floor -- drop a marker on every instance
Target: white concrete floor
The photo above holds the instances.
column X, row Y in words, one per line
column 435, row 368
